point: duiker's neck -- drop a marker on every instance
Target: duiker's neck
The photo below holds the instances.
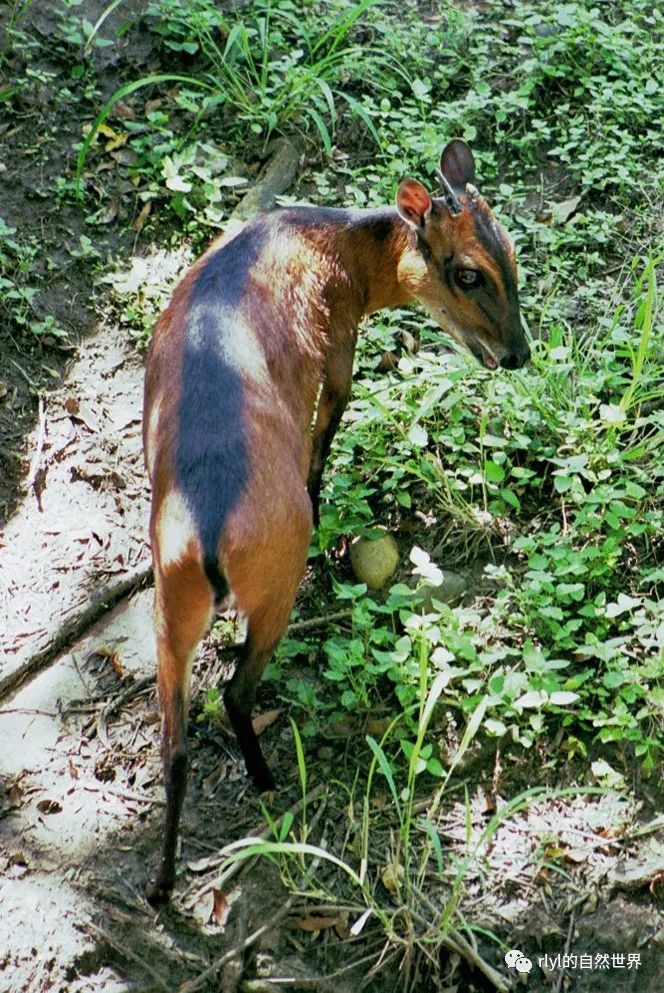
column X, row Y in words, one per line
column 380, row 253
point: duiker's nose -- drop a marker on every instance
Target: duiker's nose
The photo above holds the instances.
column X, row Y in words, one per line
column 514, row 360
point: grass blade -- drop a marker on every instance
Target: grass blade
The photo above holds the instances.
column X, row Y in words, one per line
column 120, row 94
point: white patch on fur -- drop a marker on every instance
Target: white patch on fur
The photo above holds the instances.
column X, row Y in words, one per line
column 176, row 529
column 151, row 436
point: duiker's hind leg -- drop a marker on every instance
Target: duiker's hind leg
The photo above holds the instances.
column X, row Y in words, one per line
column 239, row 698
column 265, row 583
column 183, row 609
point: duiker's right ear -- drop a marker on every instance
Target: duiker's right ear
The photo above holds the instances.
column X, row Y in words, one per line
column 414, row 203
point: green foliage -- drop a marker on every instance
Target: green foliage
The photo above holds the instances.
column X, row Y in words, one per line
column 558, row 471
column 279, row 68
column 19, row 284
column 386, row 884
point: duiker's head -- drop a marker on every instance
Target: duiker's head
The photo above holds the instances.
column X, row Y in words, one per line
column 465, row 275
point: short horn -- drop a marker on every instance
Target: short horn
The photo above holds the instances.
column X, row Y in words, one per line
column 472, row 191
column 450, row 197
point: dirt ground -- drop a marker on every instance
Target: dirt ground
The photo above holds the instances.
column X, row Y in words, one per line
column 81, row 796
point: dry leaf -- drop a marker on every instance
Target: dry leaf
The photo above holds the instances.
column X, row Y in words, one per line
column 315, row 923
column 139, row 221
column 360, row 922
column 221, row 907
column 392, row 877
column 561, row 212
column 262, row 721
column 388, row 362
column 122, row 109
column 49, row 806
column 637, row 873
column 105, row 130
column 203, row 908
column 14, row 794
column 377, row 726
column 576, row 855
column 117, row 142
column 84, row 415
column 409, row 342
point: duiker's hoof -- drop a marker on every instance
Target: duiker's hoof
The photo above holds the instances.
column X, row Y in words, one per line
column 157, row 893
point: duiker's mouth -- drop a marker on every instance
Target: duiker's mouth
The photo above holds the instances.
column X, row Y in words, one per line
column 482, row 353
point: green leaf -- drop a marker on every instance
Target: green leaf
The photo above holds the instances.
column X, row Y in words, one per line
column 562, row 483
column 622, row 605
column 511, row 498
column 435, row 768
column 494, row 473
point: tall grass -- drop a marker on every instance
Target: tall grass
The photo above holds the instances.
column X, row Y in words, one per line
column 276, row 70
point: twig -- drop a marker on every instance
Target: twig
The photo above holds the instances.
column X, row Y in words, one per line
column 36, row 458
column 116, row 703
column 93, row 607
column 127, row 953
column 248, row 986
column 275, row 178
column 561, row 974
column 457, row 943
column 200, row 980
column 122, row 794
column 27, row 378
column 27, row 710
column 317, row 622
column 639, row 832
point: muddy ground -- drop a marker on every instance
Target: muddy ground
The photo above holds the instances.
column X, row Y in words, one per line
column 81, row 795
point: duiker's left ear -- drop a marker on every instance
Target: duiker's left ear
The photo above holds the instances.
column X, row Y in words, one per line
column 457, row 164
column 413, row 203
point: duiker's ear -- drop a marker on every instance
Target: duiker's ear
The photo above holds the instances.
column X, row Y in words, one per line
column 457, row 164
column 413, row 203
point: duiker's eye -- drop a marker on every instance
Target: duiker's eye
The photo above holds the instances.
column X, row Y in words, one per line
column 467, row 278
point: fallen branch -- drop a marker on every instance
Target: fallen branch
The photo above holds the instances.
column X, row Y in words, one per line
column 33, row 484
column 91, row 609
column 319, row 622
column 122, row 794
column 134, row 690
column 457, row 943
column 274, row 178
column 563, row 972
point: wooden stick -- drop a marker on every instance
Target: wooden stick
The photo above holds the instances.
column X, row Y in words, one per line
column 317, row 622
column 36, row 459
